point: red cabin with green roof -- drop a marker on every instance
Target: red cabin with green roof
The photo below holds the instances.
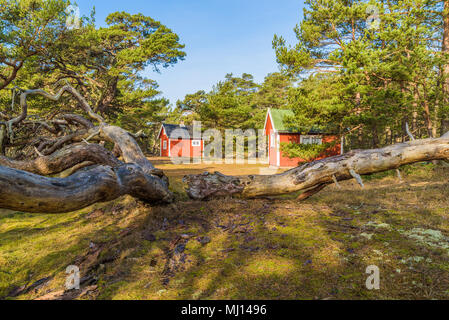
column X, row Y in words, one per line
column 278, row 133
column 177, row 141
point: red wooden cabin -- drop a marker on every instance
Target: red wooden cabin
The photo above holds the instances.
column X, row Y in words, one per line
column 178, row 141
column 278, row 133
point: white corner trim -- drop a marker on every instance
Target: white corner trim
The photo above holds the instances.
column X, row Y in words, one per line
column 160, row 131
column 169, row 147
column 342, row 145
column 266, row 121
column 278, row 147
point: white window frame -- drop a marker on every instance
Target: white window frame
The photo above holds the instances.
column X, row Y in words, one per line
column 273, row 140
column 164, row 145
column 196, row 143
column 318, row 140
column 311, row 139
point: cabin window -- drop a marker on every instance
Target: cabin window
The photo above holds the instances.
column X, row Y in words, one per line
column 311, row 140
column 165, row 145
column 196, row 143
column 273, row 141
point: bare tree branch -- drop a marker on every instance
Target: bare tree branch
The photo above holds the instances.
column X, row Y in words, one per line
column 64, row 159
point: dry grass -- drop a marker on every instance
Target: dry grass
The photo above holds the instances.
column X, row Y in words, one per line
column 249, row 249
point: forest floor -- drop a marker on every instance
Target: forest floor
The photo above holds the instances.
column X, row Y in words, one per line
column 240, row 249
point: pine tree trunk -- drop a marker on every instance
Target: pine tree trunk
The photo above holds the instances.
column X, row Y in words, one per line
column 2, row 139
column 312, row 176
column 445, row 49
column 375, row 137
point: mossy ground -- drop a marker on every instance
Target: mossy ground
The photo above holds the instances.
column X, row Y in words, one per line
column 242, row 249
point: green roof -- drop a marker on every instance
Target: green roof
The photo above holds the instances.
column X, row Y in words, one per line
column 278, row 115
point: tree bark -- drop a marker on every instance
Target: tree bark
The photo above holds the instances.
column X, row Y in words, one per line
column 445, row 67
column 64, row 159
column 445, row 50
column 318, row 173
column 29, row 192
column 2, row 139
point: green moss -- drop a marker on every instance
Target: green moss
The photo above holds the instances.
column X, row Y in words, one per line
column 259, row 249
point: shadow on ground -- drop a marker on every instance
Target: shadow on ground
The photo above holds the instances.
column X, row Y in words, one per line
column 240, row 249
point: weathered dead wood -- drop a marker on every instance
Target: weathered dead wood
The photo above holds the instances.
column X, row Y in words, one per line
column 306, row 195
column 129, row 148
column 76, row 168
column 25, row 191
column 64, row 159
column 24, row 106
column 75, row 118
column 2, row 138
column 310, row 176
column 50, row 146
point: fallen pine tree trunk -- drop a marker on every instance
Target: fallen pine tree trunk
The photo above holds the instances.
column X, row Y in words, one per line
column 64, row 159
column 108, row 178
column 27, row 192
column 313, row 177
column 22, row 189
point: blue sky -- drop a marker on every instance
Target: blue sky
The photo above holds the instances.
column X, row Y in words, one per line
column 232, row 36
